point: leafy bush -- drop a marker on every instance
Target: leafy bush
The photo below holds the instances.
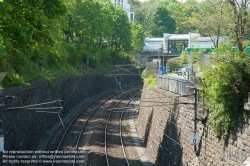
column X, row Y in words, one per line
column 13, row 80
column 144, row 74
column 227, row 83
column 151, row 81
column 173, row 63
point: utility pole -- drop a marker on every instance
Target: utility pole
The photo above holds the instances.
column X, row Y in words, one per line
column 195, row 112
column 194, row 135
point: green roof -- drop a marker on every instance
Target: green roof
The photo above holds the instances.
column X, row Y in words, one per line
column 199, row 48
column 235, row 48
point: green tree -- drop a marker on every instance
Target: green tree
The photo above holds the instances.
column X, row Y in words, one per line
column 227, row 82
column 28, row 30
column 184, row 57
column 89, row 24
column 138, row 37
column 162, row 23
column 180, row 12
column 122, row 31
column 212, row 19
column 63, row 34
column 241, row 21
column 3, row 14
column 173, row 63
column 144, row 15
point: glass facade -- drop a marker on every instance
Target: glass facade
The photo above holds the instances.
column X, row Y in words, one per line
column 177, row 46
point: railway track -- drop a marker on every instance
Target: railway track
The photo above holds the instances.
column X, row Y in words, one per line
column 114, row 146
column 86, row 130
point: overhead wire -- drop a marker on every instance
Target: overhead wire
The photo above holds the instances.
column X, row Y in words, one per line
column 122, row 78
column 118, row 84
column 150, row 106
column 33, row 105
column 72, row 91
column 127, row 70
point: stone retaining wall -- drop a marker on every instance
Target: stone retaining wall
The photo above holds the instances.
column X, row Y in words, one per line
column 165, row 131
column 25, row 129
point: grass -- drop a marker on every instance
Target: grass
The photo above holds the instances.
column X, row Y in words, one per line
column 151, row 81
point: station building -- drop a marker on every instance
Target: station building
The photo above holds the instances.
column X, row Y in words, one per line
column 172, row 45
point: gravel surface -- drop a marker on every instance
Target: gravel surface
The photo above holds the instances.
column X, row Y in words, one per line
column 92, row 139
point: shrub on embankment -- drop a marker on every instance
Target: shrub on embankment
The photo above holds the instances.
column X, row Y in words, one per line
column 226, row 83
column 150, row 80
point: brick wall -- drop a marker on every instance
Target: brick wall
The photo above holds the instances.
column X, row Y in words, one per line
column 165, row 130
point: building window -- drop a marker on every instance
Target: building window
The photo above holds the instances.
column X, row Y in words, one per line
column 131, row 17
column 177, row 46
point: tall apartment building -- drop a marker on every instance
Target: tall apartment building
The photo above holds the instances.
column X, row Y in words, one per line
column 124, row 4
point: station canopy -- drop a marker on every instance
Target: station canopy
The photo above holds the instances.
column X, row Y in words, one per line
column 207, row 49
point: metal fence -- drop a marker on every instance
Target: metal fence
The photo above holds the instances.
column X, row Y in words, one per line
column 175, row 85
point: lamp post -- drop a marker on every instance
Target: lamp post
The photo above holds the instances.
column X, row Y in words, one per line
column 168, row 47
column 163, row 58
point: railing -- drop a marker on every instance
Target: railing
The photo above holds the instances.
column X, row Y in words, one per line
column 175, row 85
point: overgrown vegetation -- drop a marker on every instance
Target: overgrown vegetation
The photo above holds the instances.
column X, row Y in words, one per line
column 226, row 72
column 149, row 79
column 227, row 83
column 45, row 39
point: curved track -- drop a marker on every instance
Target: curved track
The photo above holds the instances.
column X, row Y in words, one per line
column 80, row 135
column 116, row 152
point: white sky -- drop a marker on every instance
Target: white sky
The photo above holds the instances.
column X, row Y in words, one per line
column 178, row 0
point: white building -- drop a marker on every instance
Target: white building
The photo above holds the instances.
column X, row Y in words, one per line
column 126, row 7
column 153, row 44
column 174, row 44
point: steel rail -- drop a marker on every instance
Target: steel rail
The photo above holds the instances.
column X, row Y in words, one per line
column 121, row 117
column 91, row 103
column 106, row 127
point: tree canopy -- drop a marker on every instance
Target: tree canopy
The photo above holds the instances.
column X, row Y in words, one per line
column 63, row 36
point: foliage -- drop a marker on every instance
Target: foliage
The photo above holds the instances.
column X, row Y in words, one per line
column 4, row 7
column 178, row 13
column 227, row 82
column 28, row 30
column 162, row 23
column 145, row 14
column 204, row 19
column 181, row 12
column 13, row 79
column 144, row 74
column 240, row 19
column 151, row 81
column 173, row 63
column 138, row 37
column 121, row 37
column 63, row 35
column 184, row 57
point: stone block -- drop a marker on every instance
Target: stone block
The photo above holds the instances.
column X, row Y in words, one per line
column 244, row 136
